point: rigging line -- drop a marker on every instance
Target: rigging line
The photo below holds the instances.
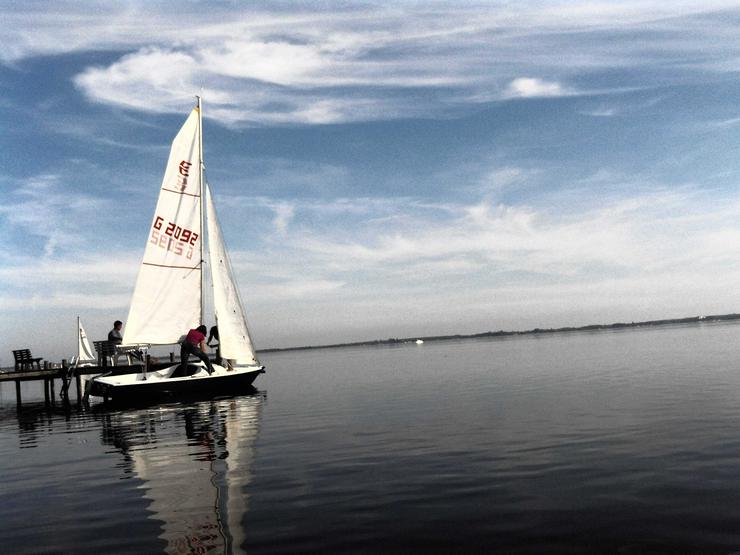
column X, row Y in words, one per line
column 168, row 266
column 180, row 192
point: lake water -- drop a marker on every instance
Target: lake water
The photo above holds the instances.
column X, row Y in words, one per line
column 605, row 442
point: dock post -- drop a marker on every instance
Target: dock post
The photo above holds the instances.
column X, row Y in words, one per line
column 18, row 393
column 78, row 384
column 172, row 357
column 46, row 384
column 51, row 391
column 64, row 393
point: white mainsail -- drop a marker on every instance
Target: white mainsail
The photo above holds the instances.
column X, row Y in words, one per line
column 84, row 352
column 234, row 340
column 167, row 297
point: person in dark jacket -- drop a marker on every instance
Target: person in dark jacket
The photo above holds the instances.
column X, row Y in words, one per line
column 195, row 344
column 114, row 335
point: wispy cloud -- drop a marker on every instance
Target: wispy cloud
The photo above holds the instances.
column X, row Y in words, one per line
column 45, row 294
column 501, row 178
column 283, row 215
column 609, row 258
column 649, row 233
column 722, row 124
column 605, row 108
column 487, row 265
column 348, row 63
column 600, row 112
column 42, row 207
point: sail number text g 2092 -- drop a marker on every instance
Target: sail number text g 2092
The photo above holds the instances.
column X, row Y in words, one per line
column 173, row 237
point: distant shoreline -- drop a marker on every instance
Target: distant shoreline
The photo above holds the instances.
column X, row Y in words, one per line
column 502, row 333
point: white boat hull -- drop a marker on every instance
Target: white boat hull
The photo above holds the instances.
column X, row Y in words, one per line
column 171, row 382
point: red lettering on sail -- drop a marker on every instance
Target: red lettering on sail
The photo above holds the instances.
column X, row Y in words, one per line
column 173, row 238
column 184, row 171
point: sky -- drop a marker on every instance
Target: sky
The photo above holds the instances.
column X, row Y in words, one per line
column 380, row 169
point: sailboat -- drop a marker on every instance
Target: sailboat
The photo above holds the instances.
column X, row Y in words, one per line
column 169, row 295
column 84, row 357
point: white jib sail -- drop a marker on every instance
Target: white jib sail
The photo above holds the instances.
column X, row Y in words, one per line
column 166, row 300
column 84, row 352
column 235, row 343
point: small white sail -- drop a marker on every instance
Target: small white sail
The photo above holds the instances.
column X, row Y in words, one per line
column 85, row 356
column 235, row 343
column 84, row 352
column 166, row 300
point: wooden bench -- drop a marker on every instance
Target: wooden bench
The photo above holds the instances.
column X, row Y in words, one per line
column 110, row 351
column 106, row 352
column 24, row 360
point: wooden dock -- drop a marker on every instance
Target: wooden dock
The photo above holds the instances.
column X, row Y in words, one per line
column 65, row 374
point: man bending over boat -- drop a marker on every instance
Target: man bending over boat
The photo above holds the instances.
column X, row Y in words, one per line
column 195, row 344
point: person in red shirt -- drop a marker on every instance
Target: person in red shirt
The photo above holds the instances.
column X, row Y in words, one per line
column 195, row 344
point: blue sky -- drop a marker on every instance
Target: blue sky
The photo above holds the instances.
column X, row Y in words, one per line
column 380, row 170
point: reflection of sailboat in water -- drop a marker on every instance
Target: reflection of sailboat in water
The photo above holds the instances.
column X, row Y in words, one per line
column 194, row 481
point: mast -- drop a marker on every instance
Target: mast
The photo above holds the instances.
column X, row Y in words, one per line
column 201, row 169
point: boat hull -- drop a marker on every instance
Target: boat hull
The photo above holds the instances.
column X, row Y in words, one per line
column 167, row 385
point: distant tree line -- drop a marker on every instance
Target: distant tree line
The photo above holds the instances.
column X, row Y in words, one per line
column 502, row 333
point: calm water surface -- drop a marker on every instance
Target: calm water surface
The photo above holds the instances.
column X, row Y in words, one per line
column 606, row 442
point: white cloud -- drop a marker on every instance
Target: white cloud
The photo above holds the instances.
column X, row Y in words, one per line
column 167, row 74
column 348, row 63
column 528, row 87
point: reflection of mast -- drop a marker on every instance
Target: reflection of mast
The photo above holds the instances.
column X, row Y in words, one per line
column 195, row 483
column 241, row 432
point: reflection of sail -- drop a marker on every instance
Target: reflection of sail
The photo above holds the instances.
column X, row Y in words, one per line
column 238, row 471
column 195, row 480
